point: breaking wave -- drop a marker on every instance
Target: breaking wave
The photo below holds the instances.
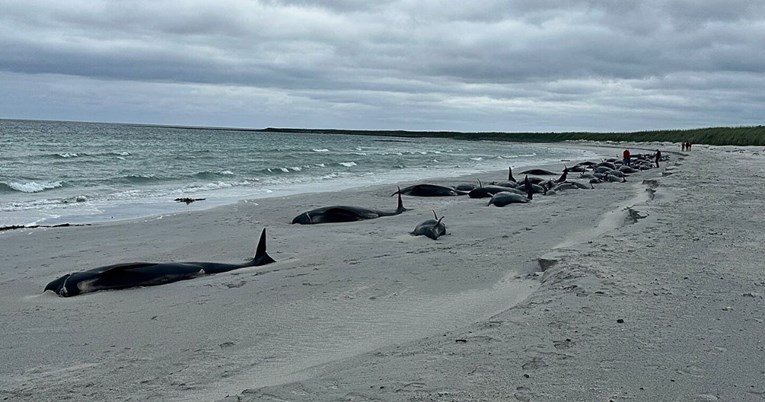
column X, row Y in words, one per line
column 30, row 187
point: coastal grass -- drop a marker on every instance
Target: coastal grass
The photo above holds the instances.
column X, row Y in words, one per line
column 752, row 135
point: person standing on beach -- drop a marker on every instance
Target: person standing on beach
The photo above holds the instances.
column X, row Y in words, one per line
column 683, row 145
column 627, row 157
column 658, row 157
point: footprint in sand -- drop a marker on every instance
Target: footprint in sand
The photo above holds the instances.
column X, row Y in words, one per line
column 534, row 364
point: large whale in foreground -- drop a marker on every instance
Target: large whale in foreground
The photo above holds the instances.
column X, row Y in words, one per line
column 342, row 213
column 132, row 274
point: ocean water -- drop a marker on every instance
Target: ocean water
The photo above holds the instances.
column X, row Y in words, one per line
column 71, row 172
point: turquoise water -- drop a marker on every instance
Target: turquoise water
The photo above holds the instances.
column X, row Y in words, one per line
column 55, row 172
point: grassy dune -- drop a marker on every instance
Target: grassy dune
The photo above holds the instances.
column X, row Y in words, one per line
column 754, row 135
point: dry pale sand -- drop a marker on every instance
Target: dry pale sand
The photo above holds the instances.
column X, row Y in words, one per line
column 652, row 290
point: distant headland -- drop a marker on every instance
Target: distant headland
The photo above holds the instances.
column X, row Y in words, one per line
column 752, row 135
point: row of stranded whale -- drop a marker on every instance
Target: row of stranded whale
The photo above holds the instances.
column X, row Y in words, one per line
column 500, row 194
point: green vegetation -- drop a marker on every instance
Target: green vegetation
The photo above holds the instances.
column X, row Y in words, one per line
column 754, row 135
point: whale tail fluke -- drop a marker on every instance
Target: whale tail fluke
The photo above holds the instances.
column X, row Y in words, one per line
column 261, row 256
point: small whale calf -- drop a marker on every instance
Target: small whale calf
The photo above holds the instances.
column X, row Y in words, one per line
column 432, row 228
column 133, row 274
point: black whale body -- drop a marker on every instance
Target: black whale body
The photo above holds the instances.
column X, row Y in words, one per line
column 133, row 274
column 430, row 190
column 432, row 228
column 343, row 213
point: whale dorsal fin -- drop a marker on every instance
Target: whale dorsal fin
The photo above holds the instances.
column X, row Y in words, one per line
column 400, row 208
column 261, row 256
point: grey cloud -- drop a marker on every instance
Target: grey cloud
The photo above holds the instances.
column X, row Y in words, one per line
column 388, row 58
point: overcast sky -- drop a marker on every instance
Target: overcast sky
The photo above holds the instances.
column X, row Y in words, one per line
column 477, row 65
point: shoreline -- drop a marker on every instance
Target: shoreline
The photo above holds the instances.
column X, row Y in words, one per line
column 359, row 308
column 151, row 208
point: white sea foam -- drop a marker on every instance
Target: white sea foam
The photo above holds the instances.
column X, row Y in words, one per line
column 321, row 150
column 34, row 187
column 348, row 164
column 215, row 185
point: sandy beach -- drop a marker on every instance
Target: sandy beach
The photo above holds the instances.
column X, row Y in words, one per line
column 649, row 290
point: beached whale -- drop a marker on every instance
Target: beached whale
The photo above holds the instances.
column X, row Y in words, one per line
column 528, row 183
column 578, row 168
column 540, row 172
column 487, row 191
column 506, row 198
column 568, row 185
column 627, row 169
column 511, row 182
column 432, row 228
column 609, row 165
column 429, row 190
column 503, row 198
column 465, row 187
column 133, row 274
column 534, row 180
column 342, row 213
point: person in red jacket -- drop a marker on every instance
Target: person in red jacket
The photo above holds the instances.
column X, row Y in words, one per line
column 627, row 157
